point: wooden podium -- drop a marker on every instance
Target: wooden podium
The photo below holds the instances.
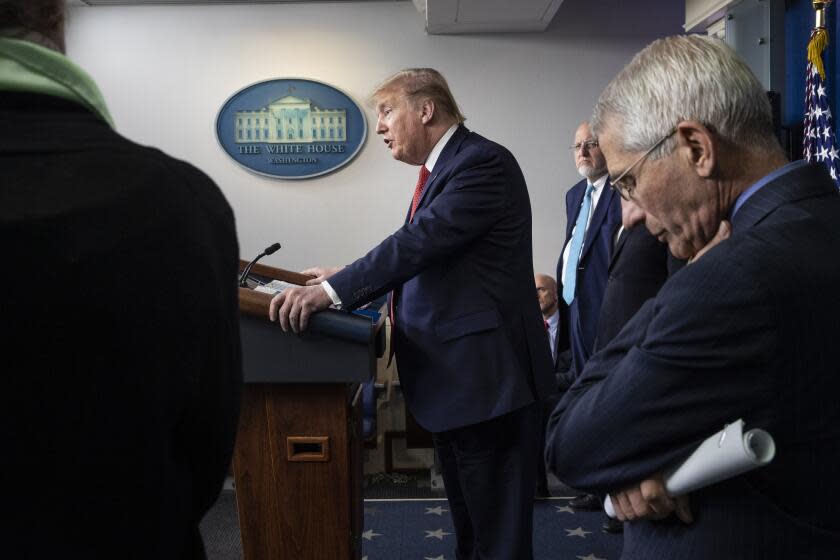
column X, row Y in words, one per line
column 297, row 463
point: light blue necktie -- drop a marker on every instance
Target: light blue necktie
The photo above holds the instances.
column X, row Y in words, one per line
column 576, row 246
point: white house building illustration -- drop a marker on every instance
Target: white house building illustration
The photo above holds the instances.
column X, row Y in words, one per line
column 291, row 119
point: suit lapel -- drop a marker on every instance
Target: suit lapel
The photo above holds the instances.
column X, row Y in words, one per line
column 622, row 241
column 800, row 183
column 443, row 161
column 598, row 218
column 573, row 207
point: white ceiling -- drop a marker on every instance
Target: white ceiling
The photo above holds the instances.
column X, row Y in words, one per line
column 442, row 16
column 488, row 16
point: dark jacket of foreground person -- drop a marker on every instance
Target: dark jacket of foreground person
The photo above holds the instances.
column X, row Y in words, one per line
column 121, row 358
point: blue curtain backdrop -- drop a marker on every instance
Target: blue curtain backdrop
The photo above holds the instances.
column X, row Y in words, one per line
column 799, row 21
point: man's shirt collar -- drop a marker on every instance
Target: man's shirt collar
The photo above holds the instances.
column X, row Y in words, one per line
column 441, row 144
column 755, row 187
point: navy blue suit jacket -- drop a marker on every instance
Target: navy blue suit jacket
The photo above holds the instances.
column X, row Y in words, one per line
column 592, row 271
column 469, row 336
column 748, row 331
column 638, row 268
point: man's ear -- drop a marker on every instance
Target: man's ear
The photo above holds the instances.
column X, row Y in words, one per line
column 698, row 145
column 427, row 111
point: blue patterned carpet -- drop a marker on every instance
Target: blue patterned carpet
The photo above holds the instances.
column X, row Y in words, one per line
column 422, row 530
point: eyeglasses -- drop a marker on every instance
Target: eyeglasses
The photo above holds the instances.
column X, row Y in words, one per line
column 624, row 185
column 588, row 145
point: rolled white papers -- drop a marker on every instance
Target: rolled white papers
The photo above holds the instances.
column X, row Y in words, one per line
column 726, row 454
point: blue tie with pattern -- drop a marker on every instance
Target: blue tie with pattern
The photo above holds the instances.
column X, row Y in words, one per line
column 575, row 247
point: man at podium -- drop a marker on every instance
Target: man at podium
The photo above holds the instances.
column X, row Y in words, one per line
column 467, row 329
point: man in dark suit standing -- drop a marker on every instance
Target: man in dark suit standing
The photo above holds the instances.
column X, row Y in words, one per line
column 121, row 354
column 555, row 332
column 741, row 332
column 638, row 268
column 467, row 330
column 593, row 213
column 549, row 307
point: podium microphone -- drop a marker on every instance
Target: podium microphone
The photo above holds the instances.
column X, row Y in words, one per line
column 247, row 270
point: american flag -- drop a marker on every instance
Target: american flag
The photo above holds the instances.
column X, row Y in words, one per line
column 818, row 143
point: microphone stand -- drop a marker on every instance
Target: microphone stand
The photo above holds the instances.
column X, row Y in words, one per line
column 247, row 270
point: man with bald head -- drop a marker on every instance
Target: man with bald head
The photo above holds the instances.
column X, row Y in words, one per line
column 557, row 338
column 746, row 331
column 547, row 296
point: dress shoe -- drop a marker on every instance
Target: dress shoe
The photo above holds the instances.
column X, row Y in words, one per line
column 542, row 491
column 589, row 502
column 612, row 525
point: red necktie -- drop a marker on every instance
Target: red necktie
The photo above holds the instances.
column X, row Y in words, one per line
column 546, row 325
column 415, row 201
column 418, row 190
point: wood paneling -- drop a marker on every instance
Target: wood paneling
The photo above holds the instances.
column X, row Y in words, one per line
column 293, row 509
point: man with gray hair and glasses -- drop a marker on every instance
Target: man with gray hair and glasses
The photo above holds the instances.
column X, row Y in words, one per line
column 742, row 332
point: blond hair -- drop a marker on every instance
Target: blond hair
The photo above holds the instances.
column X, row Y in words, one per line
column 419, row 84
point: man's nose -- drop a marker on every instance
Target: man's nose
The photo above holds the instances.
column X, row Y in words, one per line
column 380, row 127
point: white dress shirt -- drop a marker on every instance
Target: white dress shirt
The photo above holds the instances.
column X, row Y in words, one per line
column 553, row 323
column 596, row 196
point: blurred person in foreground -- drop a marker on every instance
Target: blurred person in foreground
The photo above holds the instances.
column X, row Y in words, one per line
column 121, row 354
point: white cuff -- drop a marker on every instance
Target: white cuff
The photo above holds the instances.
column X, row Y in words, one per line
column 332, row 293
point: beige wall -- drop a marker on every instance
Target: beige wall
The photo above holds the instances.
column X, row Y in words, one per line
column 166, row 71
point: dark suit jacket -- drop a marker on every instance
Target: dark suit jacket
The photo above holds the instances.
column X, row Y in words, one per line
column 592, row 269
column 748, row 331
column 469, row 336
column 638, row 268
column 582, row 315
column 121, row 355
column 562, row 358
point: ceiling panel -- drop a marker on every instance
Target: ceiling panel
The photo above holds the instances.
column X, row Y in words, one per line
column 486, row 16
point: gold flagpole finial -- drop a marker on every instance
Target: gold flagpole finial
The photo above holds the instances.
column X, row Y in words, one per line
column 819, row 8
column 819, row 37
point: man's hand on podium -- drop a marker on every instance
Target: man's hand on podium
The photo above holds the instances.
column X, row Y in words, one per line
column 293, row 306
column 320, row 273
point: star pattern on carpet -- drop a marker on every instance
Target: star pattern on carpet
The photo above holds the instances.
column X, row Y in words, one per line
column 369, row 534
column 437, row 534
column 423, row 530
column 579, row 532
